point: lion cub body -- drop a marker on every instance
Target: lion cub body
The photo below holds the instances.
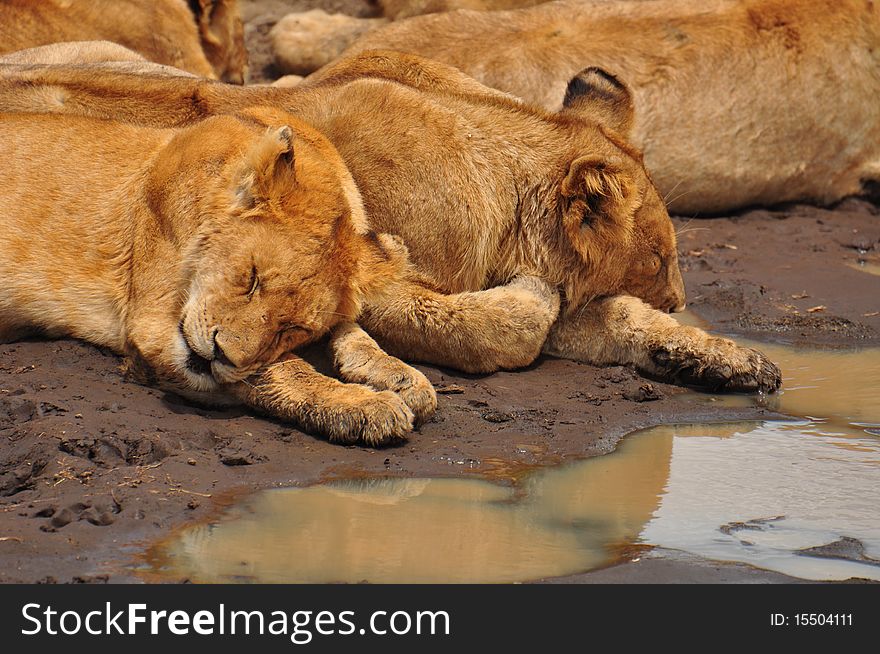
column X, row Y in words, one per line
column 505, row 207
column 204, row 253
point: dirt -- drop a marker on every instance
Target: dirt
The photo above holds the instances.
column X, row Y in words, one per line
column 94, row 466
column 787, row 274
column 845, row 549
column 661, row 566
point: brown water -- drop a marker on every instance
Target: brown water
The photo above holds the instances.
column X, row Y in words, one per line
column 870, row 267
column 751, row 492
column 830, row 386
column 431, row 530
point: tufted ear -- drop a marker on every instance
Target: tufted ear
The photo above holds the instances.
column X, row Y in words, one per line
column 601, row 194
column 267, row 158
column 600, row 95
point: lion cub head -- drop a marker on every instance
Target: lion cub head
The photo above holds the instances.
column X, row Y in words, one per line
column 619, row 235
column 280, row 252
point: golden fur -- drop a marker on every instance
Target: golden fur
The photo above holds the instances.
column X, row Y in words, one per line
column 203, row 37
column 110, row 55
column 307, row 40
column 738, row 102
column 517, row 217
column 206, row 254
column 398, row 9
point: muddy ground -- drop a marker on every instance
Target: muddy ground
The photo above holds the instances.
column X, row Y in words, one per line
column 93, row 466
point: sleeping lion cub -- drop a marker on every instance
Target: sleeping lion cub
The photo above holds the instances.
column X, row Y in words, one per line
column 528, row 229
column 206, row 254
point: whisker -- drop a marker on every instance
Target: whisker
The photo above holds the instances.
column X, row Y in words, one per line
column 677, row 197
column 584, row 306
column 692, row 229
column 671, row 191
column 684, row 227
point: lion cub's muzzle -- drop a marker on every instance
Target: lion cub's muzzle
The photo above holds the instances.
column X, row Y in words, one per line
column 206, row 357
column 676, row 297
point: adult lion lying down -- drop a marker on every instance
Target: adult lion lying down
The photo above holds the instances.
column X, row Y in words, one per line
column 307, row 40
column 206, row 254
column 203, row 37
column 535, row 230
column 738, row 102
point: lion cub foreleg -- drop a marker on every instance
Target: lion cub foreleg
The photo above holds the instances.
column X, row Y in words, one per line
column 625, row 330
column 348, row 413
column 359, row 359
column 501, row 328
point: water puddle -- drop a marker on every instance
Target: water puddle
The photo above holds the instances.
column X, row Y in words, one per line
column 431, row 530
column 756, row 492
column 830, row 386
column 870, row 267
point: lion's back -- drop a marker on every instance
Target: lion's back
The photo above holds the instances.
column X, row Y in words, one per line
column 163, row 31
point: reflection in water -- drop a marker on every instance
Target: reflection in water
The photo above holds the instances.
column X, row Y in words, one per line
column 430, row 530
column 863, row 265
column 756, row 496
column 835, row 386
column 751, row 492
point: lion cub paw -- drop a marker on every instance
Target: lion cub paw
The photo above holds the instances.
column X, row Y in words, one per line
column 509, row 324
column 391, row 374
column 719, row 365
column 414, row 389
column 538, row 291
column 373, row 418
column 360, row 360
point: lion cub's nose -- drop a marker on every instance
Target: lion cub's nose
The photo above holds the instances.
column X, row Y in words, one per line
column 220, row 355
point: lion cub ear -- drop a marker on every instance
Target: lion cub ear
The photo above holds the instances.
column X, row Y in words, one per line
column 263, row 164
column 600, row 95
column 600, row 194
